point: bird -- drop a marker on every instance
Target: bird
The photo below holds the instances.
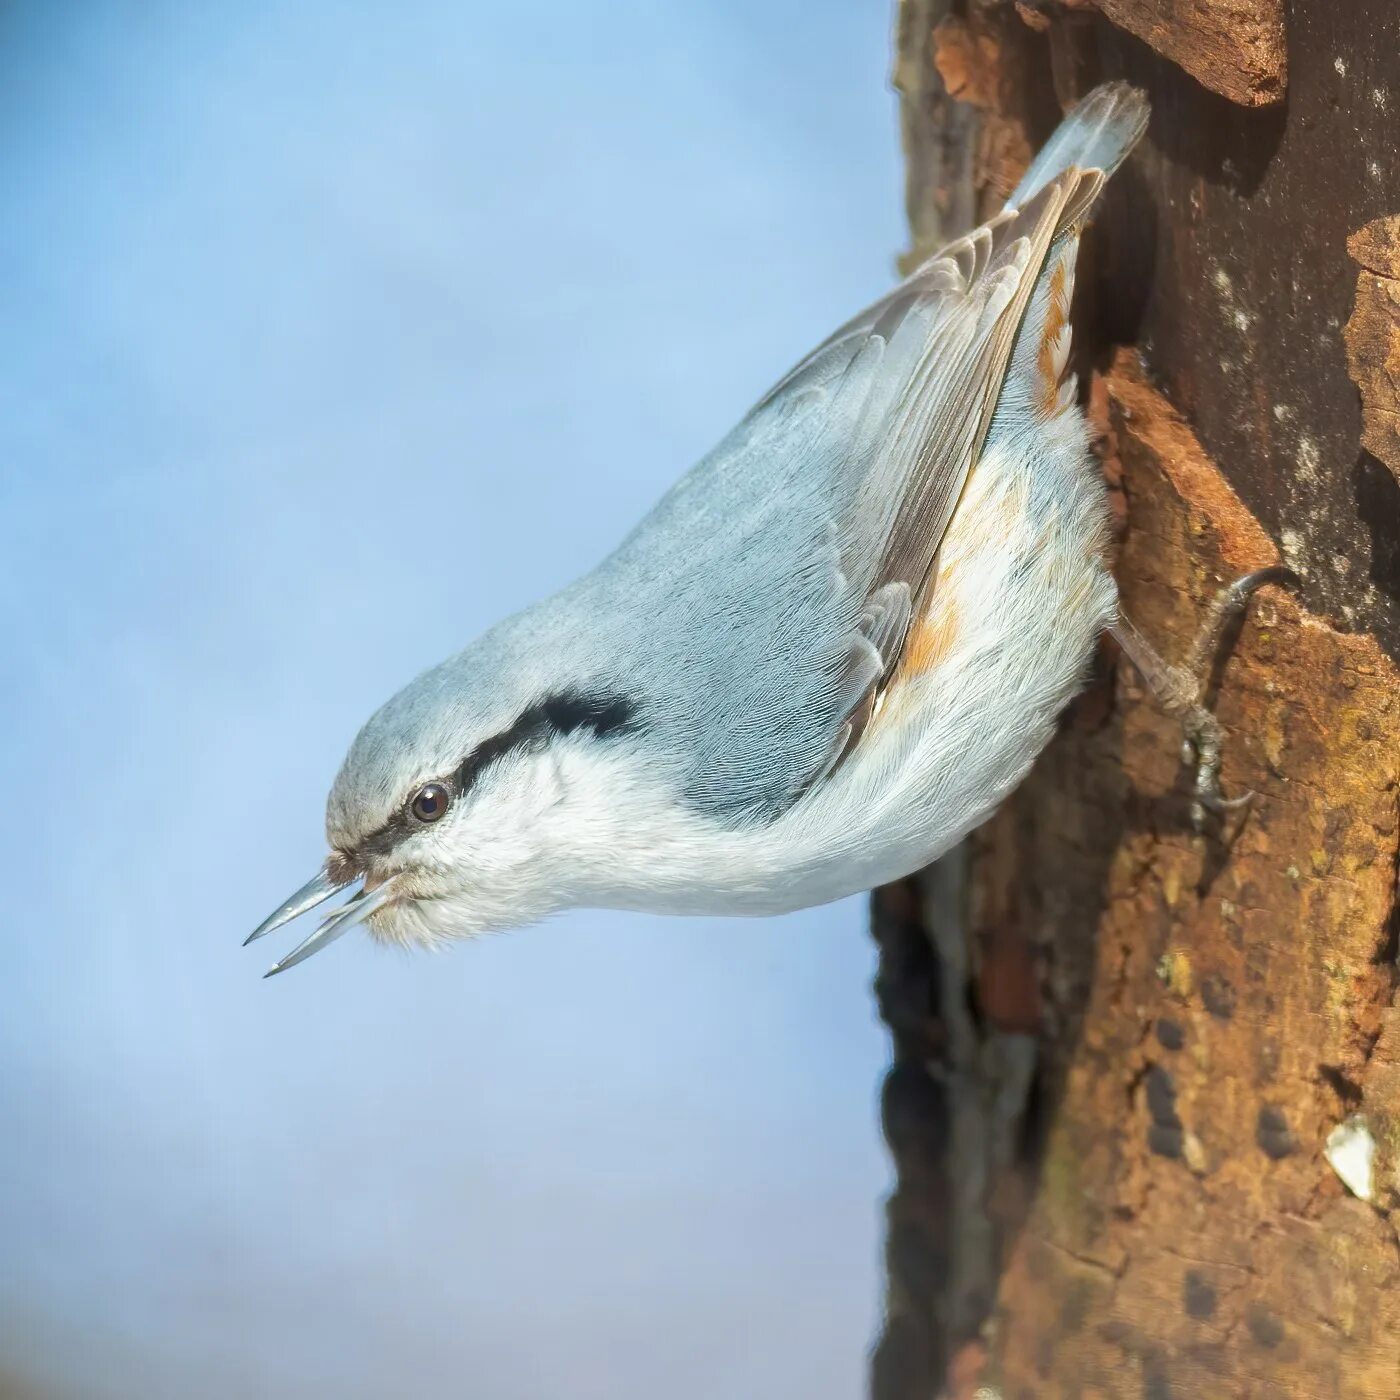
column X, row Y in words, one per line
column 827, row 654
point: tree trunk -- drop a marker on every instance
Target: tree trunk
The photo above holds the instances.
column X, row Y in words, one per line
column 1145, row 1106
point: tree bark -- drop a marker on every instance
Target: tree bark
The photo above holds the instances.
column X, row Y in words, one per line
column 1145, row 1105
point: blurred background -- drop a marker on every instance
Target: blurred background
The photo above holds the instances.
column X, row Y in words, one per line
column 331, row 333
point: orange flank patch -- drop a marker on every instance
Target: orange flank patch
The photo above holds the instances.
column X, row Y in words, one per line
column 984, row 521
column 932, row 637
column 1056, row 318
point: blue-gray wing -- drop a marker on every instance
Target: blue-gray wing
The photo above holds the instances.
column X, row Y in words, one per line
column 782, row 572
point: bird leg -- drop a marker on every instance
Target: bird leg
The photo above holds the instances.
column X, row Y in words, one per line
column 1182, row 691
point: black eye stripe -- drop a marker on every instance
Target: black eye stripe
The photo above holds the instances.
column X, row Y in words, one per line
column 563, row 713
column 603, row 714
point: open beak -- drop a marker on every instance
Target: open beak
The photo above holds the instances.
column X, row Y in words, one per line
column 316, row 891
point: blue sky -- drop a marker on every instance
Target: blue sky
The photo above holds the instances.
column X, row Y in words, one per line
column 332, row 334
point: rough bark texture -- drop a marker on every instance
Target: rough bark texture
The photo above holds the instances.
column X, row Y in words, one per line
column 1139, row 1072
column 1373, row 338
column 1233, row 47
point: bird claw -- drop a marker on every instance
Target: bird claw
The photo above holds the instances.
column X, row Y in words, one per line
column 1217, row 802
column 1181, row 691
column 1203, row 749
column 1228, row 607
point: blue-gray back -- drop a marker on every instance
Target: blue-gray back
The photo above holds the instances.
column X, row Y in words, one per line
column 754, row 614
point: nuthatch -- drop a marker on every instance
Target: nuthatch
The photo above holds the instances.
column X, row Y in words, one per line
column 829, row 651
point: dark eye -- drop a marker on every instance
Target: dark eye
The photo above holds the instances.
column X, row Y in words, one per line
column 429, row 802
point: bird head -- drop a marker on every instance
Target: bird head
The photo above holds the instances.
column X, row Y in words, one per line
column 482, row 796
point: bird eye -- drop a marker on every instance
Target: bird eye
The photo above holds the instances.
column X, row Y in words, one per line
column 429, row 802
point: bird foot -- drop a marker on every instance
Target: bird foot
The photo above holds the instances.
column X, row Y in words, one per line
column 1182, row 691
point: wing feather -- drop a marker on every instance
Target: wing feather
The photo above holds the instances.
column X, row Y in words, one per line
column 781, row 576
column 930, row 362
column 958, row 350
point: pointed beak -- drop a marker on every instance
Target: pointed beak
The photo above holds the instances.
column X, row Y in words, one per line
column 315, row 891
column 359, row 908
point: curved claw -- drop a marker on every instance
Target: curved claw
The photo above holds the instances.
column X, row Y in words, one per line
column 1208, row 796
column 1217, row 802
column 1226, row 608
column 1204, row 736
column 1203, row 732
column 1182, row 690
column 1250, row 583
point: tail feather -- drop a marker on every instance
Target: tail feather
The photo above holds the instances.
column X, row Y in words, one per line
column 1096, row 134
